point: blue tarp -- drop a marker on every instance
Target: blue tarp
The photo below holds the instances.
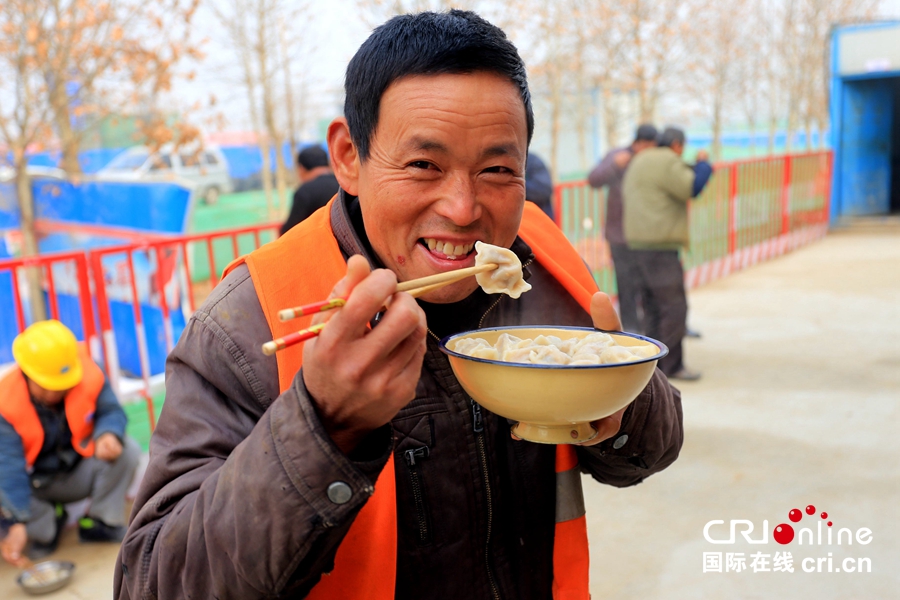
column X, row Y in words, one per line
column 243, row 161
column 246, row 161
column 157, row 207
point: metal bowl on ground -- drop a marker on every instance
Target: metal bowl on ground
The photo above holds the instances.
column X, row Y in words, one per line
column 553, row 404
column 46, row 577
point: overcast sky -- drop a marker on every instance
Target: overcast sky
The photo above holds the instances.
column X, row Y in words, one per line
column 337, row 31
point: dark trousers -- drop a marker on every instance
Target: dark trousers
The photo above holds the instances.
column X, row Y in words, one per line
column 661, row 283
column 105, row 483
column 627, row 279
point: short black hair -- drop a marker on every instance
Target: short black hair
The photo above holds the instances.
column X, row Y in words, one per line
column 645, row 133
column 670, row 136
column 427, row 43
column 311, row 157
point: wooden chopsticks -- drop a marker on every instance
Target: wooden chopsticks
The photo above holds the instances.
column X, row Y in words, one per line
column 415, row 288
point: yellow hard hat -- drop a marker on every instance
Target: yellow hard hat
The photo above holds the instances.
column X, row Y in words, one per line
column 47, row 352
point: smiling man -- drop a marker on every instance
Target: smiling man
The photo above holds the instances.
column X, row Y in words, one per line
column 355, row 466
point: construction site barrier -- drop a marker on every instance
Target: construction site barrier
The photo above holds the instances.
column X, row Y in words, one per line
column 129, row 302
column 750, row 211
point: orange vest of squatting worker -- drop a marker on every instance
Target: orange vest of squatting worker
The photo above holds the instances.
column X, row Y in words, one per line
column 80, row 404
column 367, row 557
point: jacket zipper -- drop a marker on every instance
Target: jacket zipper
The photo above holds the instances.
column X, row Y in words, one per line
column 478, row 427
column 412, row 456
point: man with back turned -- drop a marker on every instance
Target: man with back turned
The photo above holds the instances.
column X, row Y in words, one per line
column 657, row 187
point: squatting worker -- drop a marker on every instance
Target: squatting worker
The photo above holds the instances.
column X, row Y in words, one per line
column 369, row 472
column 657, row 187
column 610, row 172
column 62, row 439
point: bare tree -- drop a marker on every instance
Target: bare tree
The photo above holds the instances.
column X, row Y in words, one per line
column 98, row 58
column 24, row 116
column 818, row 17
column 721, row 57
column 64, row 61
column 661, row 40
column 607, row 33
column 253, row 31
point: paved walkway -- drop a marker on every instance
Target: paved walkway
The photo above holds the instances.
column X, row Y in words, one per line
column 798, row 406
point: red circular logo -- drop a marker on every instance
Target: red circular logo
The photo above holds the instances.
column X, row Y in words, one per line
column 783, row 533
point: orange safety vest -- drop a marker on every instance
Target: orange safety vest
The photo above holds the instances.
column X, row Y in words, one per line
column 366, row 561
column 81, row 403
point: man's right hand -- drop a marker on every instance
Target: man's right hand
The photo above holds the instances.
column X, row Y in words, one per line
column 12, row 547
column 359, row 378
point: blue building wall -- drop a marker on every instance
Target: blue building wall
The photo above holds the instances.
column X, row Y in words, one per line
column 865, row 134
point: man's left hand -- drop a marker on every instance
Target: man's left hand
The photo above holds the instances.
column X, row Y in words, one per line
column 605, row 317
column 107, row 447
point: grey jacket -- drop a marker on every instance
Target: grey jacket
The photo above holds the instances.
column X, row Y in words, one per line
column 235, row 500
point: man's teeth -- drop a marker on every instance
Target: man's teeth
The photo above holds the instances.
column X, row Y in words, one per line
column 447, row 248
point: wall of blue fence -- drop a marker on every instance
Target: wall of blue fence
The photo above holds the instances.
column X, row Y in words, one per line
column 123, row 321
column 156, row 207
column 246, row 161
column 761, row 139
column 152, row 207
column 91, row 161
column 243, row 161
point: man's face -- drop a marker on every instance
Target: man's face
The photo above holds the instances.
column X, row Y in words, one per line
column 677, row 148
column 446, row 168
column 45, row 396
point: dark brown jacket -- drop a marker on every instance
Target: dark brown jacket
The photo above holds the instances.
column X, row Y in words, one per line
column 234, row 503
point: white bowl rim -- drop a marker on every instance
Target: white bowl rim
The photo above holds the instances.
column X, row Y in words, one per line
column 664, row 350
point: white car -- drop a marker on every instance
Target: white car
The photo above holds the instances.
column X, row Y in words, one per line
column 206, row 168
column 7, row 173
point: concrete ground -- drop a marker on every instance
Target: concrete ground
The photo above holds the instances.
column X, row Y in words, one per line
column 798, row 405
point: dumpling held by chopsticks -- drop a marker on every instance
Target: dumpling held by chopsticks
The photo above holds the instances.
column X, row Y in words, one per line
column 506, row 278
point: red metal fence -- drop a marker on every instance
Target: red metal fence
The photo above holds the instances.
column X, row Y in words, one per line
column 751, row 210
column 105, row 282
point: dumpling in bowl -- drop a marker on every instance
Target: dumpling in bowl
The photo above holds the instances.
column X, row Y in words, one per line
column 487, row 352
column 595, row 340
column 469, row 345
column 568, row 346
column 517, row 355
column 616, row 354
column 644, row 350
column 549, row 355
column 506, row 342
column 585, row 359
column 506, row 278
column 547, row 340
